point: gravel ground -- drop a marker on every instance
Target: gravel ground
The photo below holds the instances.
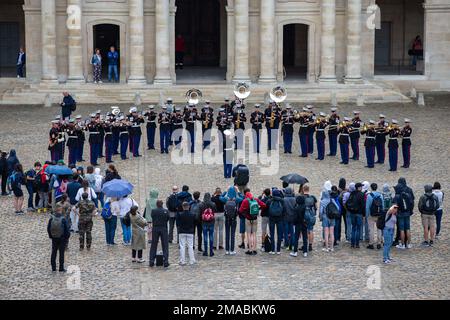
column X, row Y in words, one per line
column 107, row 273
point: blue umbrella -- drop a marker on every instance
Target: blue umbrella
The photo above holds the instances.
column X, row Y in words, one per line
column 59, row 170
column 117, row 188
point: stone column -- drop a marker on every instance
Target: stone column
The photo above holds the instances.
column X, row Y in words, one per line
column 241, row 41
column 75, row 51
column 162, row 60
column 353, row 42
column 328, row 42
column 48, row 32
column 136, row 22
column 267, row 42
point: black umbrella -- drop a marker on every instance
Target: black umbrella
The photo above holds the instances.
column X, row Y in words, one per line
column 294, row 178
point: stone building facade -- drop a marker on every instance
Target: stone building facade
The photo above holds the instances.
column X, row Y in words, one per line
column 333, row 40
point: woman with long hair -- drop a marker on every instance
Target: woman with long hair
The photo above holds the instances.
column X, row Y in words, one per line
column 96, row 62
column 17, row 178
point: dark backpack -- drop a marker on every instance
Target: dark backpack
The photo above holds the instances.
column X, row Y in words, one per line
column 387, row 202
column 376, row 208
column 73, row 107
column 106, row 211
column 430, row 205
column 230, row 210
column 405, row 202
column 242, row 176
column 195, row 209
column 381, row 221
column 56, row 227
column 267, row 243
column 352, row 202
column 172, row 203
column 276, row 208
column 332, row 211
column 310, row 211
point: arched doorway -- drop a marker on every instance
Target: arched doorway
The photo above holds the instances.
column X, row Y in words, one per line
column 104, row 36
column 201, row 25
column 295, row 51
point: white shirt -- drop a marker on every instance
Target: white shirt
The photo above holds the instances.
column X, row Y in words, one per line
column 125, row 205
column 90, row 192
column 440, row 195
column 115, row 208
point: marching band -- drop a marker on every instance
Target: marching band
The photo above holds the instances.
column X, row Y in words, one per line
column 106, row 133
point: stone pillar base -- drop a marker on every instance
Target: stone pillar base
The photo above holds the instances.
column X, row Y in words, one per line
column 353, row 80
column 267, row 80
column 163, row 81
column 49, row 81
column 76, row 80
column 327, row 80
column 137, row 80
column 241, row 79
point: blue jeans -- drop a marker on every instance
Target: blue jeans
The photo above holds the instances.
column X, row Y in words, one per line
column 356, row 228
column 388, row 235
column 348, row 219
column 208, row 235
column 279, row 225
column 110, row 229
column 337, row 229
column 30, row 195
column 126, row 230
column 438, row 221
column 113, row 69
column 288, row 234
column 230, row 234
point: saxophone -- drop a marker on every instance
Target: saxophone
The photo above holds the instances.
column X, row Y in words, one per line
column 206, row 123
column 238, row 122
column 272, row 119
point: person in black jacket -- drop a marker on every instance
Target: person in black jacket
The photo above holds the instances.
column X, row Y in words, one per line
column 277, row 212
column 160, row 217
column 185, row 226
column 300, row 226
column 67, row 105
column 58, row 243
column 3, row 171
column 265, row 197
column 112, row 173
column 355, row 206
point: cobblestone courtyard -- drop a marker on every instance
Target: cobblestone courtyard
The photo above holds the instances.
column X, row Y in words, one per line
column 107, row 272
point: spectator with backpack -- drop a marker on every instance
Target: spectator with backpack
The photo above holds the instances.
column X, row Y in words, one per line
column 42, row 187
column 15, row 182
column 125, row 206
column 404, row 198
column 65, row 206
column 86, row 210
column 31, row 184
column 335, row 196
column 11, row 162
column 300, row 226
column 365, row 226
column 389, row 221
column 195, row 210
column 138, row 243
column 250, row 208
column 310, row 215
column 328, row 212
column 85, row 188
column 355, row 206
column 149, row 206
column 72, row 190
column 3, row 172
column 231, row 200
column 289, row 205
column 348, row 217
column 428, row 206
column 374, row 209
column 173, row 206
column 241, row 176
column 219, row 219
column 440, row 195
column 276, row 216
column 185, row 226
column 160, row 217
column 58, row 232
column 110, row 212
column 98, row 184
column 207, row 209
column 265, row 197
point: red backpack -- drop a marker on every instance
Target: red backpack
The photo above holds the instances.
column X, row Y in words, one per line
column 208, row 215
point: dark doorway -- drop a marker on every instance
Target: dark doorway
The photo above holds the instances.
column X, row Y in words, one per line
column 295, row 51
column 9, row 48
column 199, row 24
column 383, row 45
column 105, row 36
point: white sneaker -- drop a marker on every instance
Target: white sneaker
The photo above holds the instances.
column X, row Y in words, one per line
column 227, row 253
column 409, row 246
column 95, row 82
column 18, row 76
column 279, row 252
column 232, row 253
column 100, row 81
column 387, row 261
column 272, row 252
column 192, row 263
column 400, row 246
column 305, row 254
column 141, row 260
column 182, row 263
column 331, row 250
column 325, row 249
column 293, row 254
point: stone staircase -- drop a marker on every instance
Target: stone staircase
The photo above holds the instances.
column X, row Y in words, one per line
column 23, row 92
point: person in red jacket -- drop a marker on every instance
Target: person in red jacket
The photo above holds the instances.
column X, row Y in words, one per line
column 179, row 51
column 251, row 222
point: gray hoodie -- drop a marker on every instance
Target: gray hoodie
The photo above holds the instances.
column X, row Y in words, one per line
column 289, row 205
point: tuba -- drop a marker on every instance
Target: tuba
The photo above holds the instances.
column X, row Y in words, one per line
column 193, row 96
column 242, row 90
column 278, row 94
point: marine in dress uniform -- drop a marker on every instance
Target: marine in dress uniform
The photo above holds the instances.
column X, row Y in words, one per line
column 344, row 140
column 99, row 118
column 151, row 116
column 222, row 123
column 406, row 143
column 287, row 128
column 79, row 126
column 207, row 119
column 62, row 139
column 320, row 126
column 53, row 141
column 370, row 143
column 107, row 128
column 239, row 120
column 176, row 123
column 72, row 142
column 190, row 117
column 256, row 119
column 170, row 108
column 333, row 123
column 272, row 116
column 355, row 134
column 380, row 139
column 164, row 122
column 311, row 128
column 135, row 130
column 94, row 139
column 394, row 133
column 123, row 136
column 303, row 119
column 228, row 153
